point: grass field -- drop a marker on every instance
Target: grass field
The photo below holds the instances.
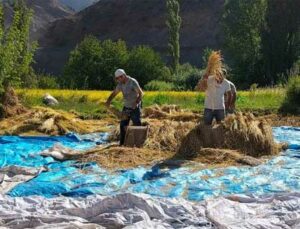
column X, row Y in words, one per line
column 89, row 103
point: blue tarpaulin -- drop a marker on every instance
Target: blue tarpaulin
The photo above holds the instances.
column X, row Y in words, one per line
column 70, row 178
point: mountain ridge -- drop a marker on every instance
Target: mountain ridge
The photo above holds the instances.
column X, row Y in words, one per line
column 140, row 22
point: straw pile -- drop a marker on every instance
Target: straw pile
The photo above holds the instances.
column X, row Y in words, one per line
column 48, row 121
column 125, row 157
column 10, row 105
column 165, row 135
column 170, row 112
column 243, row 133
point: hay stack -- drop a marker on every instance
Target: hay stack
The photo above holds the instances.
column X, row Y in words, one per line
column 166, row 135
column 238, row 132
column 10, row 105
column 47, row 121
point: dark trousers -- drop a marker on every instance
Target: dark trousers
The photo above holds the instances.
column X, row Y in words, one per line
column 132, row 114
column 210, row 114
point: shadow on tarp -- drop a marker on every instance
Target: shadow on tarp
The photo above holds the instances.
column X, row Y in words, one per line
column 70, row 178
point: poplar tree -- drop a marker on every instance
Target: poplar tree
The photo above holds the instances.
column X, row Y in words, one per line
column 173, row 22
column 15, row 48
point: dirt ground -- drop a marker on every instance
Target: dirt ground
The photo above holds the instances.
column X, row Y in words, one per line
column 168, row 127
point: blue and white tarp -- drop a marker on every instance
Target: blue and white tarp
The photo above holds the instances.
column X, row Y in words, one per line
column 70, row 178
column 267, row 194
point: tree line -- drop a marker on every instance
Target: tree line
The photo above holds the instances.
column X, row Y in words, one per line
column 261, row 45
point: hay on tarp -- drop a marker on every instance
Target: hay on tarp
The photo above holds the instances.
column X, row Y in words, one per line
column 114, row 156
column 243, row 133
column 48, row 121
column 125, row 157
column 220, row 157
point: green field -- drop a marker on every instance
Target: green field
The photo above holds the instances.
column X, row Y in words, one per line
column 89, row 103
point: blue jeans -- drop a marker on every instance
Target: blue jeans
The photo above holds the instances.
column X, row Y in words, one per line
column 210, row 114
column 132, row 114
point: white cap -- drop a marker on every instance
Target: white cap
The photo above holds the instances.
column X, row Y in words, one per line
column 119, row 72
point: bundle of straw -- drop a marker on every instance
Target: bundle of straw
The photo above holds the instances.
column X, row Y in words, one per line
column 215, row 66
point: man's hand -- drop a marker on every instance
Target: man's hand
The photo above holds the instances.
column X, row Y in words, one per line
column 107, row 103
column 110, row 98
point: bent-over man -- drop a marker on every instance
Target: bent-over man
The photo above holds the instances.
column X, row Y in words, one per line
column 132, row 96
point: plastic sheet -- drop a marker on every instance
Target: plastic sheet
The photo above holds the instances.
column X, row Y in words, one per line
column 281, row 174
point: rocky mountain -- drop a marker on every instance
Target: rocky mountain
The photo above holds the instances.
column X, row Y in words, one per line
column 45, row 12
column 78, row 5
column 137, row 22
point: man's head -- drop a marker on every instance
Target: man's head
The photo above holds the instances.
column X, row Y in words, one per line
column 120, row 76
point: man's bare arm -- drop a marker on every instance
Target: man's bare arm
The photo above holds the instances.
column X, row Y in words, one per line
column 111, row 97
column 228, row 99
column 140, row 95
column 202, row 84
column 233, row 99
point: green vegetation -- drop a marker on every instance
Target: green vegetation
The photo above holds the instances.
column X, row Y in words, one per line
column 92, row 64
column 291, row 102
column 145, row 65
column 15, row 47
column 174, row 22
column 90, row 103
column 156, row 85
column 280, row 40
column 262, row 39
column 243, row 22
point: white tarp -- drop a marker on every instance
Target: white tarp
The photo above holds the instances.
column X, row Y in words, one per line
column 12, row 175
column 143, row 211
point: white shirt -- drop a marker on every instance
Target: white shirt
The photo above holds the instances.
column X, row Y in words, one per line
column 232, row 86
column 214, row 98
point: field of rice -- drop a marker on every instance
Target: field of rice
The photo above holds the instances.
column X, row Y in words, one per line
column 266, row 100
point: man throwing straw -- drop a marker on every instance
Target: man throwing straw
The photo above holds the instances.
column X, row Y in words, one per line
column 215, row 86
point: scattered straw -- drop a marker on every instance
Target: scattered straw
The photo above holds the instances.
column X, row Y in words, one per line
column 48, row 121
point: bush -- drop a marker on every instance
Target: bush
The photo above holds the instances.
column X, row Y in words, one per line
column 291, row 103
column 187, row 77
column 92, row 63
column 47, row 82
column 144, row 64
column 156, row 85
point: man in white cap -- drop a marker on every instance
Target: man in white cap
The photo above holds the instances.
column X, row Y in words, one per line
column 132, row 96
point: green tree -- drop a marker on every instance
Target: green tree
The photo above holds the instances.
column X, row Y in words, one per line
column 16, row 49
column 83, row 66
column 173, row 22
column 115, row 55
column 92, row 63
column 145, row 65
column 281, row 39
column 243, row 22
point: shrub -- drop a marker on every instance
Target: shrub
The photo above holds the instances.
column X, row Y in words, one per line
column 144, row 64
column 291, row 103
column 156, row 85
column 187, row 77
column 47, row 82
column 92, row 63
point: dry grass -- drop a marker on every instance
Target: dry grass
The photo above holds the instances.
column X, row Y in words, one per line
column 125, row 157
column 239, row 132
column 47, row 121
column 169, row 112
